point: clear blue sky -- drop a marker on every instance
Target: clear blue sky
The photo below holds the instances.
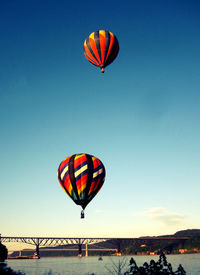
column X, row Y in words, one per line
column 141, row 117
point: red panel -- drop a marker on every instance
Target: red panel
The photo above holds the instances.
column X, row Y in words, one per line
column 92, row 187
column 79, row 160
column 95, row 63
column 96, row 163
column 67, row 182
column 110, row 46
column 102, row 45
column 63, row 163
column 95, row 186
column 93, row 46
column 82, row 181
column 93, row 60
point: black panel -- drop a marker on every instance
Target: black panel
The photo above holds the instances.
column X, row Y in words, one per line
column 61, row 181
column 89, row 179
column 107, row 34
column 97, row 43
column 90, row 49
column 114, row 51
column 72, row 178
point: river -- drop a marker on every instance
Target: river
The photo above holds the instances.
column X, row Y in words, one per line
column 88, row 265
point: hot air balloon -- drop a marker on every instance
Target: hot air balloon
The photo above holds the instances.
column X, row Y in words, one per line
column 101, row 48
column 81, row 176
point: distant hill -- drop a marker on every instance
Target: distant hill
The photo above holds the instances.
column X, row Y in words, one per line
column 188, row 233
column 173, row 246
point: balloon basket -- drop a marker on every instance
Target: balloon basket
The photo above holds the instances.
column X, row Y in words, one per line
column 82, row 214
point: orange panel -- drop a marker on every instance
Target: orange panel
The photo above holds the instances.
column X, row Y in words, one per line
column 102, row 45
column 93, row 46
column 93, row 60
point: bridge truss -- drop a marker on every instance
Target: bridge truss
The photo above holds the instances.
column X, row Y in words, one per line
column 53, row 242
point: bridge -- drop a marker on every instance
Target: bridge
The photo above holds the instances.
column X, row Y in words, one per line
column 40, row 242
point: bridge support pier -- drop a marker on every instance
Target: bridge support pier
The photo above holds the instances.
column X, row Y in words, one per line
column 119, row 253
column 37, row 251
column 181, row 244
column 151, row 248
column 80, row 250
column 86, row 250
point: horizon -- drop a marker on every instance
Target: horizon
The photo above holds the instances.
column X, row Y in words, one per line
column 86, row 237
column 14, row 246
column 140, row 118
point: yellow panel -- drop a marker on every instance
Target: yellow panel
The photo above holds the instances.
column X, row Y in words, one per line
column 70, row 189
column 92, row 35
column 83, row 186
column 102, row 33
column 81, row 170
column 79, row 156
column 85, row 45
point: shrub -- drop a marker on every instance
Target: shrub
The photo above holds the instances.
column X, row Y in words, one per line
column 154, row 268
column 3, row 252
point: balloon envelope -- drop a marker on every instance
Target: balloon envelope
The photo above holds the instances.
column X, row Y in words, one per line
column 81, row 176
column 101, row 48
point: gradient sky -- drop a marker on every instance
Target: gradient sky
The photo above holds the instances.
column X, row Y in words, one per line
column 141, row 117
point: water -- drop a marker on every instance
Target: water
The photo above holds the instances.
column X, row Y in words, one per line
column 88, row 265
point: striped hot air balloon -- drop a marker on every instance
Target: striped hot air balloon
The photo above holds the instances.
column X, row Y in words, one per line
column 101, row 48
column 81, row 176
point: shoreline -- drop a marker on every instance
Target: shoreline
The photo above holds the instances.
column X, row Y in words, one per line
column 131, row 255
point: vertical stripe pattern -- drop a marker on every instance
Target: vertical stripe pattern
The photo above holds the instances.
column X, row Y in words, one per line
column 81, row 176
column 101, row 48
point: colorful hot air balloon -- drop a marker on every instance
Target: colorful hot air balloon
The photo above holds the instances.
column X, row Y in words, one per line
column 81, row 176
column 101, row 48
